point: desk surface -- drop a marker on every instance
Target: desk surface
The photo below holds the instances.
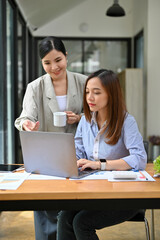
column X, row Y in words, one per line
column 42, row 194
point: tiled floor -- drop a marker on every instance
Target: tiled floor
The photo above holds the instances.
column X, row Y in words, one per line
column 20, row 226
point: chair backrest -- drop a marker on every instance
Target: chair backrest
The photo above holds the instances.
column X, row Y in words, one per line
column 146, row 145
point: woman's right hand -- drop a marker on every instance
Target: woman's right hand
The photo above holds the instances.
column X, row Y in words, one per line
column 30, row 126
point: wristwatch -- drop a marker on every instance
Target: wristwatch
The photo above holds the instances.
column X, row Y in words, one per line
column 103, row 164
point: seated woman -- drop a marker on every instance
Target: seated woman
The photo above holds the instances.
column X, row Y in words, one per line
column 108, row 132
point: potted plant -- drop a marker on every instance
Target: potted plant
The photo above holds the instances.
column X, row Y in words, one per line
column 156, row 163
column 155, row 146
column 155, row 140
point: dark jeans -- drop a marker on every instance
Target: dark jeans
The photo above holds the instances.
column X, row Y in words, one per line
column 82, row 225
column 45, row 225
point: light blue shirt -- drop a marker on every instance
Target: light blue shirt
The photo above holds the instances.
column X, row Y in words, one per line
column 90, row 144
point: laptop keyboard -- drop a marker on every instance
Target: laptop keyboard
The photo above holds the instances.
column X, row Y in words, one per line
column 85, row 172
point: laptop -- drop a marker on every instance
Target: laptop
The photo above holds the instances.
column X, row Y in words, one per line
column 50, row 153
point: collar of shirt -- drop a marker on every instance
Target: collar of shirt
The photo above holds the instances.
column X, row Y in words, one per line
column 97, row 137
column 93, row 121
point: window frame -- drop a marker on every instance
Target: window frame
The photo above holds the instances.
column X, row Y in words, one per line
column 128, row 40
column 136, row 38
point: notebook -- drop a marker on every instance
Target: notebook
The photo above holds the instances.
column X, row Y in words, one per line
column 50, row 153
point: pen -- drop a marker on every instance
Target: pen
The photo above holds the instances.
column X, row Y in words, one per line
column 18, row 169
column 142, row 175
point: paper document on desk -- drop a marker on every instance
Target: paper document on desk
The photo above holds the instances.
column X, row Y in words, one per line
column 44, row 177
column 142, row 176
column 11, row 181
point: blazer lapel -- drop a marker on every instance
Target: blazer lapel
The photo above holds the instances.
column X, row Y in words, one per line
column 71, row 92
column 50, row 95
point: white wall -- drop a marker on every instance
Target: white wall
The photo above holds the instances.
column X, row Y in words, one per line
column 153, row 67
column 92, row 13
column 147, row 17
column 140, row 13
column 140, row 22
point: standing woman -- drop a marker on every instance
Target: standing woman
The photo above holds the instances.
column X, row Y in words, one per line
column 108, row 132
column 57, row 91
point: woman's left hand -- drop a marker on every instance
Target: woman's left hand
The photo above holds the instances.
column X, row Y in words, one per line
column 72, row 117
column 85, row 163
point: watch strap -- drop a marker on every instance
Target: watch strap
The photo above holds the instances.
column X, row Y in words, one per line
column 103, row 164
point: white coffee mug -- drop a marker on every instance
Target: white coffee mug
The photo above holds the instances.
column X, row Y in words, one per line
column 60, row 119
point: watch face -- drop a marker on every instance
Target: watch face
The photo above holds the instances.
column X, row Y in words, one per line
column 102, row 160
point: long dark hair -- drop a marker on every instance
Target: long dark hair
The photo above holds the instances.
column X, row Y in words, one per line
column 116, row 108
column 50, row 43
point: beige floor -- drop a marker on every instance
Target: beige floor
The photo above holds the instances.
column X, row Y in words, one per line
column 20, row 226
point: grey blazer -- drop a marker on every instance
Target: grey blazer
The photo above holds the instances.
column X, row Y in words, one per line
column 40, row 102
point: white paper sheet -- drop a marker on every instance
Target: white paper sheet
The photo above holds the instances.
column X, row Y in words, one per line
column 44, row 177
column 142, row 176
column 11, row 181
column 108, row 176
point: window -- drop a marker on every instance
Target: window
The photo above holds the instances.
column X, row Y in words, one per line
column 139, row 50
column 21, row 79
column 30, row 71
column 20, row 66
column 88, row 55
column 21, row 62
column 10, row 82
column 74, row 50
column 2, row 57
column 105, row 54
column 13, row 81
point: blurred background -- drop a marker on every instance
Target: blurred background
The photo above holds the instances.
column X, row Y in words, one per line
column 129, row 45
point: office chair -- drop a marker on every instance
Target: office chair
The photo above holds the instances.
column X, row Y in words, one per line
column 140, row 216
